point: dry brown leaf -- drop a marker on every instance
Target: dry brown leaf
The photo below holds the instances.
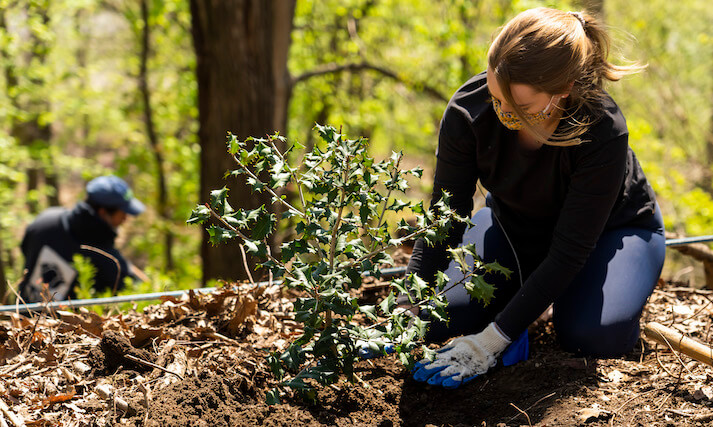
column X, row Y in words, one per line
column 143, row 334
column 247, row 306
column 58, row 398
column 91, row 324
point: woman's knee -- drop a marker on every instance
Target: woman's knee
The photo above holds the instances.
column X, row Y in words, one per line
column 598, row 340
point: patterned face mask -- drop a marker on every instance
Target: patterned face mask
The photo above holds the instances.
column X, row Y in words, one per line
column 511, row 121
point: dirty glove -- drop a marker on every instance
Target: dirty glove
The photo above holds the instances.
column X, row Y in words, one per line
column 464, row 358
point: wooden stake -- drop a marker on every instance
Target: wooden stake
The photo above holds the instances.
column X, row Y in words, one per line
column 677, row 341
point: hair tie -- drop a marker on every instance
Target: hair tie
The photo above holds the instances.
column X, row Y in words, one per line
column 580, row 18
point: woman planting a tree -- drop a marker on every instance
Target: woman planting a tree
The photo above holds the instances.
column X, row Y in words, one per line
column 569, row 209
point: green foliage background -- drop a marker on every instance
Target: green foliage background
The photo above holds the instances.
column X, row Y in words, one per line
column 78, row 65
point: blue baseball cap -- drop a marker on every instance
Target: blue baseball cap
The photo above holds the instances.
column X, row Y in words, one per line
column 113, row 192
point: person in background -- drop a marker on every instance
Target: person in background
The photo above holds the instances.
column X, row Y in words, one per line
column 568, row 208
column 89, row 229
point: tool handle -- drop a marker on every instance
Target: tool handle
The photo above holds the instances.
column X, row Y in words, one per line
column 679, row 342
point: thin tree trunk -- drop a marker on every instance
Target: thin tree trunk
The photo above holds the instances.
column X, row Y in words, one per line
column 241, row 48
column 163, row 207
column 3, row 280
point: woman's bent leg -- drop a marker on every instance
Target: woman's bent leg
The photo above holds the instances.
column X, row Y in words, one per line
column 599, row 313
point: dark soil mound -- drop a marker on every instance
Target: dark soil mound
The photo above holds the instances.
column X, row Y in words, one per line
column 111, row 353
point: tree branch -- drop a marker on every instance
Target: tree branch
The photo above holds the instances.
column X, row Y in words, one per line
column 364, row 65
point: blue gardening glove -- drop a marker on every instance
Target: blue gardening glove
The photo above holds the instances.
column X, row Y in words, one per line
column 366, row 351
column 464, row 358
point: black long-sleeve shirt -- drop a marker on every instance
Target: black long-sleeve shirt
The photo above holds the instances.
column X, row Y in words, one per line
column 553, row 202
column 64, row 231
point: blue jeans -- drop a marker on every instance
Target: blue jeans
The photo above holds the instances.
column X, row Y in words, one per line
column 597, row 315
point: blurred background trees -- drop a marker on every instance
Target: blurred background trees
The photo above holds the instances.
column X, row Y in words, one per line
column 148, row 89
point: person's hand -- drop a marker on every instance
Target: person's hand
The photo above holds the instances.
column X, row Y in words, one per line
column 464, row 358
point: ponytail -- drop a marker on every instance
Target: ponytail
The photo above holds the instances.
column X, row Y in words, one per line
column 557, row 52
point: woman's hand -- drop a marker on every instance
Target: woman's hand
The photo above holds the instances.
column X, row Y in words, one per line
column 463, row 358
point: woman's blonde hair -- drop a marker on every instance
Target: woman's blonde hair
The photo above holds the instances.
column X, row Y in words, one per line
column 556, row 52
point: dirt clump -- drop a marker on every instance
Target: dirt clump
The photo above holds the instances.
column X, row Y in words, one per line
column 111, row 353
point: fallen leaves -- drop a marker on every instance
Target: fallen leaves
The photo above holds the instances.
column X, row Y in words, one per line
column 81, row 368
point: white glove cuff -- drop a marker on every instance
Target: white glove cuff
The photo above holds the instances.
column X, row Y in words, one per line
column 493, row 340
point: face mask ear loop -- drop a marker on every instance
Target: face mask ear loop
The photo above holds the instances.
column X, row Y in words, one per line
column 548, row 105
column 517, row 260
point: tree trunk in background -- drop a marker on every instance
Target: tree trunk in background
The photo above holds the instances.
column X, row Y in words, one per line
column 3, row 280
column 163, row 206
column 243, row 87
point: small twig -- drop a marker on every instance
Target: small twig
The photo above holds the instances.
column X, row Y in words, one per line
column 533, row 405
column 34, row 326
column 218, row 336
column 708, row 416
column 611, row 421
column 675, row 353
column 394, row 176
column 245, row 238
column 245, row 264
column 269, row 270
column 656, row 352
column 298, row 183
column 270, row 190
column 687, row 290
column 522, row 412
column 144, row 389
column 153, row 365
column 112, row 258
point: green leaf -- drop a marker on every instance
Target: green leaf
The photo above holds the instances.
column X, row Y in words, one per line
column 219, row 201
column 255, row 184
column 441, row 280
column 272, row 397
column 234, row 144
column 275, row 366
column 388, row 304
column 400, row 285
column 494, row 267
column 369, row 311
column 263, row 226
column 199, row 215
column 256, row 247
column 479, row 289
column 219, row 234
column 418, row 286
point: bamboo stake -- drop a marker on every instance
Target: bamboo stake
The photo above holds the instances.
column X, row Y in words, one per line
column 677, row 341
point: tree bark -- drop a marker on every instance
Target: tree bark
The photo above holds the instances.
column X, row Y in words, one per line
column 3, row 280
column 243, row 87
column 163, row 207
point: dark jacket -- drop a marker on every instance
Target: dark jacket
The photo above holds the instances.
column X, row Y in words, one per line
column 69, row 232
column 553, row 202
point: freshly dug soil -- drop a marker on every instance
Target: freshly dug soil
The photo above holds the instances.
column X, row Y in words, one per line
column 106, row 357
column 220, row 378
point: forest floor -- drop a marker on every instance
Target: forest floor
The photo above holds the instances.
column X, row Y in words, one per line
column 81, row 369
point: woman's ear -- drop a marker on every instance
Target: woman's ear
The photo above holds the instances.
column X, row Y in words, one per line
column 569, row 90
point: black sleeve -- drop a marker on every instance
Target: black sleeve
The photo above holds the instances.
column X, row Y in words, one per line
column 455, row 173
column 596, row 180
